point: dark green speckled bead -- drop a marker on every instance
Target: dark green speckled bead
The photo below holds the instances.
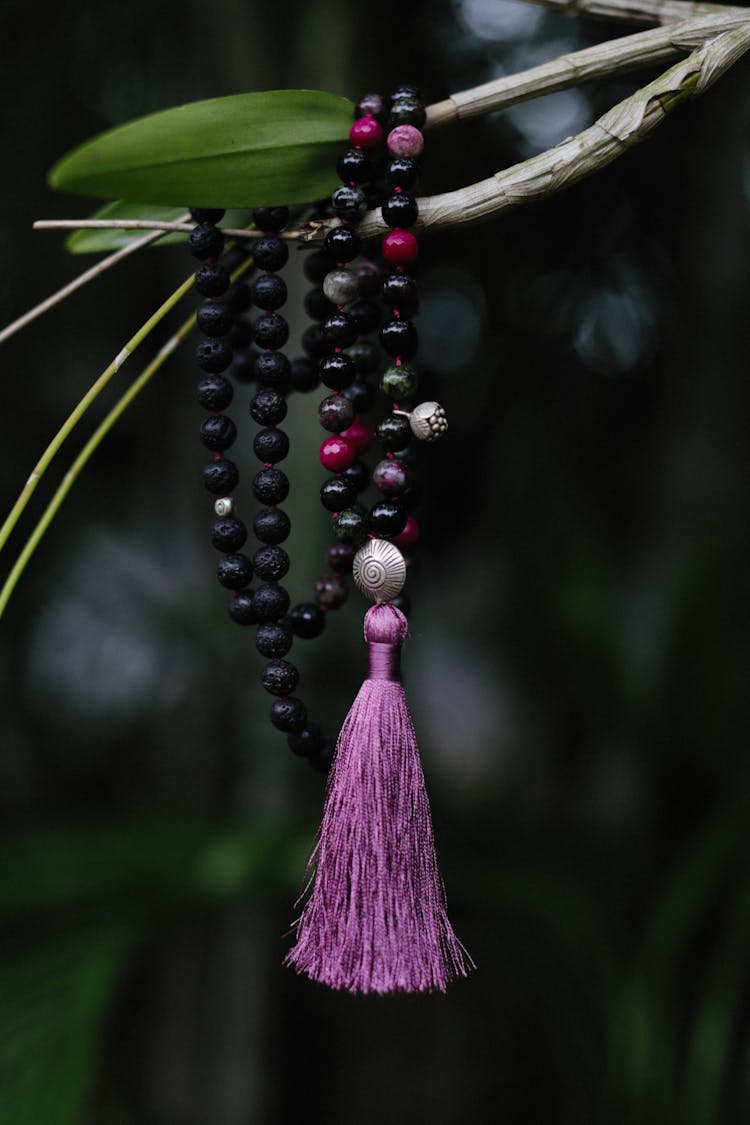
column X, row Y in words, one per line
column 399, row 381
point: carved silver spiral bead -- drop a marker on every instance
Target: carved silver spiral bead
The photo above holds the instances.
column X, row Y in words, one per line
column 379, row 570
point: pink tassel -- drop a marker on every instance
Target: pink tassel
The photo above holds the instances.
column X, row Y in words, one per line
column 375, row 919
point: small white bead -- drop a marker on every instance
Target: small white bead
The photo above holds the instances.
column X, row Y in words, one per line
column 224, row 506
column 341, row 287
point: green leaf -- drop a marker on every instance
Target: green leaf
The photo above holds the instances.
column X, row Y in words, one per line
column 98, row 241
column 247, row 150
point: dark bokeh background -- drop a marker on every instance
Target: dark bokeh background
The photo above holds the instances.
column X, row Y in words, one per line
column 578, row 660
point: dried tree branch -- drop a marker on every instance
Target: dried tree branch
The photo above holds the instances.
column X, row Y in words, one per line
column 636, row 11
column 146, row 224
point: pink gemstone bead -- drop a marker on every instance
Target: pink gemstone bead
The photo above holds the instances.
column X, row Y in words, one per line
column 366, row 132
column 336, row 453
column 359, row 435
column 410, row 534
column 405, row 140
column 400, row 246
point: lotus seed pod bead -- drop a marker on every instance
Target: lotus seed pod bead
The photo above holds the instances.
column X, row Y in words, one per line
column 270, row 253
column 350, row 526
column 224, row 506
column 271, row 563
column 220, row 476
column 274, row 638
column 366, row 132
column 280, row 677
column 337, row 493
column 288, row 714
column 212, row 280
column 331, row 591
column 268, row 407
column 269, row 290
column 270, row 486
column 399, row 381
column 336, row 453
column 270, row 602
column 341, row 287
column 308, row 741
column 234, row 571
column 410, row 534
column 359, row 435
column 391, row 477
column 272, row 526
column 308, row 620
column 400, row 247
column 405, row 140
column 341, row 557
column 336, row 413
column 349, row 202
column 400, row 210
column 428, row 421
column 211, row 215
column 215, row 392
column 241, row 608
column 372, row 105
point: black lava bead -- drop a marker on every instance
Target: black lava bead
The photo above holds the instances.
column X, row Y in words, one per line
column 308, row 620
column 289, row 715
column 357, row 475
column 342, row 244
column 348, row 203
column 228, row 534
column 335, row 413
column 213, row 356
column 337, row 371
column 331, row 591
column 399, row 338
column 215, row 392
column 272, row 369
column 274, row 638
column 272, row 525
column 214, row 318
column 220, row 476
column 315, row 341
column 270, row 253
column 387, row 518
column 280, row 677
column 241, row 608
column 407, row 111
column 304, row 374
column 234, row 571
column 400, row 210
column 308, row 741
column 316, row 266
column 270, row 218
column 270, row 563
column 269, row 291
column 270, row 486
column 211, row 215
column 317, row 304
column 400, row 292
column 372, row 105
column 366, row 316
column 361, row 394
column 270, row 602
column 337, row 494
column 212, row 280
column 268, row 408
column 350, row 526
column 393, row 433
column 365, row 355
column 341, row 558
column 270, row 330
column 340, row 330
column 218, row 432
column 271, row 445
column 205, row 242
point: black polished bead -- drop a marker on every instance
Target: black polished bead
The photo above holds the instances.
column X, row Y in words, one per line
column 274, row 638
column 361, row 394
column 354, row 166
column 308, row 620
column 270, row 486
column 400, row 210
column 348, row 203
column 331, row 591
column 215, row 392
column 271, row 445
column 369, row 277
column 350, row 526
column 220, row 476
column 342, row 244
column 372, row 105
column 269, row 291
column 304, row 374
column 315, row 341
column 289, row 715
column 270, row 253
column 241, row 608
column 272, row 369
column 402, row 602
column 317, row 304
column 405, row 90
column 407, row 111
column 218, row 432
column 210, row 215
column 214, row 318
column 335, row 413
column 337, row 493
column 337, row 371
column 316, row 266
column 270, row 563
column 268, row 408
column 399, row 338
column 308, row 741
column 357, row 475
column 393, row 433
column 341, row 558
column 270, row 601
column 212, row 280
column 272, row 525
column 213, row 356
column 234, row 571
column 270, row 330
column 400, row 292
column 205, row 242
column 270, row 218
column 340, row 330
column 366, row 316
column 228, row 534
column 280, row 677
column 402, row 172
column 366, row 356
column 387, row 518
column 241, row 333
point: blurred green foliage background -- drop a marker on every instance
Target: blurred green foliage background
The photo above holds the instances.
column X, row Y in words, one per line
column 578, row 661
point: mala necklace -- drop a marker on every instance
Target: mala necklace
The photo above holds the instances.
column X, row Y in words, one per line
column 373, row 916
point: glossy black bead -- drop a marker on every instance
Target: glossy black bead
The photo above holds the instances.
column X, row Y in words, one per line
column 335, row 413
column 337, row 493
column 215, row 392
column 270, row 563
column 366, row 316
column 210, row 215
column 366, row 356
column 212, row 280
column 271, row 445
column 400, row 292
column 304, row 374
column 393, row 433
column 234, row 571
column 357, row 475
column 241, row 333
column 269, row 291
column 406, row 90
column 268, row 408
column 308, row 741
column 274, row 638
column 270, row 218
column 288, row 715
column 387, row 518
column 402, row 172
column 317, row 304
column 400, row 210
column 354, row 166
column 272, row 525
column 372, row 105
column 331, row 591
column 272, row 369
column 342, row 244
column 316, row 265
column 270, row 486
column 369, row 277
column 213, row 356
column 399, row 338
column 241, row 608
column 220, row 476
column 228, row 534
column 350, row 526
column 270, row 253
column 218, row 432
column 280, row 677
column 270, row 601
column 205, row 242
column 341, row 558
column 315, row 341
column 349, row 202
column 270, row 330
column 340, row 330
column 361, row 394
column 308, row 620
column 214, row 318
column 337, row 371
column 407, row 111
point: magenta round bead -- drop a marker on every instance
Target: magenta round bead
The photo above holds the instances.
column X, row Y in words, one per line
column 366, row 132
column 400, row 247
column 337, row 454
column 359, row 435
column 405, row 140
